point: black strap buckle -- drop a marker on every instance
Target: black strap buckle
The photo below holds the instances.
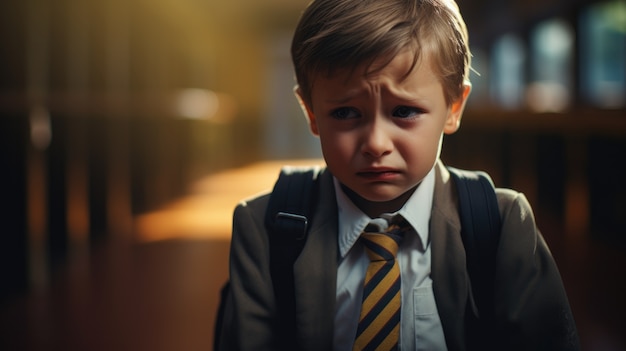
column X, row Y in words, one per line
column 290, row 224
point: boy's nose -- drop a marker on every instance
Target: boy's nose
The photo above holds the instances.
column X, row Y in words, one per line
column 376, row 140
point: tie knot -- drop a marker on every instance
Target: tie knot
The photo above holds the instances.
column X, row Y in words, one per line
column 380, row 246
column 383, row 246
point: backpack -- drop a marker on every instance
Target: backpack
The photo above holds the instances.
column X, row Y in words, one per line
column 287, row 217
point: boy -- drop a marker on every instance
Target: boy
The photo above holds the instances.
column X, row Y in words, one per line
column 381, row 82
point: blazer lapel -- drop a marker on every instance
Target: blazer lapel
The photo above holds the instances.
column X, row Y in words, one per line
column 316, row 273
column 450, row 280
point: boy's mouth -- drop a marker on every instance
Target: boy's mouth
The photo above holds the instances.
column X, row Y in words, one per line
column 378, row 173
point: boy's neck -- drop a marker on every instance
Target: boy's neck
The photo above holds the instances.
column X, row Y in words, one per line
column 375, row 209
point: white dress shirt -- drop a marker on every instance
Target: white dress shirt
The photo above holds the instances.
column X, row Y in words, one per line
column 420, row 326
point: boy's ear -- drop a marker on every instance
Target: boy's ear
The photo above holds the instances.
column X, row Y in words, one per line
column 307, row 110
column 453, row 121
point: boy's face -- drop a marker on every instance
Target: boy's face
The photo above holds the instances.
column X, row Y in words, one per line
column 381, row 134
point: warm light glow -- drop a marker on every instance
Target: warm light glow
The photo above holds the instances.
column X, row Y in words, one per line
column 40, row 130
column 197, row 104
column 207, row 211
column 202, row 104
column 547, row 97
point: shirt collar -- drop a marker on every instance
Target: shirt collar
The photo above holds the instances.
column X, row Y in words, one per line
column 416, row 211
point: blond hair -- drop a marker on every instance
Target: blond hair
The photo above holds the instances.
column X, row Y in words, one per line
column 343, row 34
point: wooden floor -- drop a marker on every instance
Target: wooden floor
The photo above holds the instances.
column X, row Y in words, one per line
column 159, row 291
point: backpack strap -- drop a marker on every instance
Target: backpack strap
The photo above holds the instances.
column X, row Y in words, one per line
column 480, row 231
column 286, row 218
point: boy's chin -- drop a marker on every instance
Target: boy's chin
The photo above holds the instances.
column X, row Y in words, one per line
column 378, row 202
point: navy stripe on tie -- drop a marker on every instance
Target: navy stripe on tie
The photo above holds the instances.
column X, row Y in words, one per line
column 377, row 278
column 380, row 305
column 378, row 339
column 379, row 250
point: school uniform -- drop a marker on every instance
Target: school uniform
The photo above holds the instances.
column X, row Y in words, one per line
column 531, row 308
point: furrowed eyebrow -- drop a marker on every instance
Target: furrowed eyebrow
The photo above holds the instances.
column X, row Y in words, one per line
column 400, row 94
column 403, row 94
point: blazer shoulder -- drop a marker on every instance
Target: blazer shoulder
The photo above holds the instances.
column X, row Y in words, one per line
column 512, row 202
column 254, row 203
column 513, row 205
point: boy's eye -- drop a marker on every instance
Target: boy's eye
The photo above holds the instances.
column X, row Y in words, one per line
column 344, row 113
column 406, row 111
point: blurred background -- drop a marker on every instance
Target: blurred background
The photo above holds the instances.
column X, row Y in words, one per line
column 129, row 129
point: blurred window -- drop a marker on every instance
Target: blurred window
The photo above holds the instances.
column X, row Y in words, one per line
column 603, row 54
column 507, row 72
column 551, row 84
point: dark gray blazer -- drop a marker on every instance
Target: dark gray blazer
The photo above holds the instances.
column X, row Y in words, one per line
column 532, row 310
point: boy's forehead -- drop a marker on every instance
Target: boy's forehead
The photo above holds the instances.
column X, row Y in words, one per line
column 395, row 73
column 404, row 63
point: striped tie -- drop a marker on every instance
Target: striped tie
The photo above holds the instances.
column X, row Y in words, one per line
column 379, row 324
